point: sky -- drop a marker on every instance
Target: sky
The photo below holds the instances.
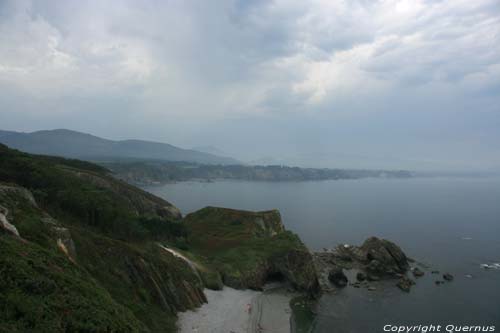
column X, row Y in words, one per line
column 321, row 83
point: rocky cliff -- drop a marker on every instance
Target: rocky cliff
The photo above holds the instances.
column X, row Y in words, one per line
column 250, row 248
column 82, row 251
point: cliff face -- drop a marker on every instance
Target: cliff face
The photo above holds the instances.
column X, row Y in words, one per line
column 82, row 251
column 249, row 248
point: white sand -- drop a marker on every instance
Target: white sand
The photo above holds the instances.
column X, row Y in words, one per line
column 239, row 311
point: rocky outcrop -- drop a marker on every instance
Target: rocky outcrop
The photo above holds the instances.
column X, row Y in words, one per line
column 448, row 277
column 62, row 235
column 18, row 192
column 375, row 259
column 384, row 257
column 15, row 197
column 250, row 248
column 297, row 268
column 4, row 223
column 405, row 284
column 337, row 277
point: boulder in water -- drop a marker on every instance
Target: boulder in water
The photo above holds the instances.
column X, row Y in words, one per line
column 405, row 284
column 448, row 277
column 417, row 272
column 384, row 257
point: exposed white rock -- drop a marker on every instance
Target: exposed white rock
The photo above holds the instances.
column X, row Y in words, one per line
column 4, row 223
column 182, row 257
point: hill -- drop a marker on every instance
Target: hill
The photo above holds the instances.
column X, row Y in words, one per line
column 67, row 143
column 81, row 251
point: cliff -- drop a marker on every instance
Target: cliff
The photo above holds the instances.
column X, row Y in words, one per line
column 250, row 248
column 82, row 251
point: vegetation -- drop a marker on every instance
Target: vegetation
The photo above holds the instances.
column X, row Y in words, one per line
column 119, row 279
column 42, row 291
column 94, row 253
column 81, row 192
column 246, row 248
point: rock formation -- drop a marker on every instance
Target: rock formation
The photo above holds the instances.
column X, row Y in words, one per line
column 375, row 259
column 249, row 248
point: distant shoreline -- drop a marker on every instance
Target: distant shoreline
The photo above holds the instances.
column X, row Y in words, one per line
column 161, row 172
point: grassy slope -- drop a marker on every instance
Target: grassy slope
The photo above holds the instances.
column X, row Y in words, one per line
column 115, row 228
column 42, row 291
column 236, row 244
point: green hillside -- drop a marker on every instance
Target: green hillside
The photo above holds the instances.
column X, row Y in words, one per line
column 81, row 251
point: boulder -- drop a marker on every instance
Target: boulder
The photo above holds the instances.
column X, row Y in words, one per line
column 448, row 277
column 405, row 284
column 384, row 257
column 337, row 277
column 417, row 272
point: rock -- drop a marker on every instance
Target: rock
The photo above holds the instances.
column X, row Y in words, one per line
column 448, row 277
column 337, row 277
column 283, row 256
column 438, row 282
column 297, row 267
column 417, row 272
column 361, row 276
column 405, row 284
column 5, row 224
column 435, row 272
column 376, row 259
column 384, row 257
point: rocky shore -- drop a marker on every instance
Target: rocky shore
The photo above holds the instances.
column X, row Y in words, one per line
column 361, row 266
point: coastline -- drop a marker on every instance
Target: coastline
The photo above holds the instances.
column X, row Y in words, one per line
column 239, row 311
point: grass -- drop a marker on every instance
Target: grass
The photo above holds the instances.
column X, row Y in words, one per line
column 121, row 280
column 239, row 243
column 42, row 291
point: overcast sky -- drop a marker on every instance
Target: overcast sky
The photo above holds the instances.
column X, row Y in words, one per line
column 358, row 83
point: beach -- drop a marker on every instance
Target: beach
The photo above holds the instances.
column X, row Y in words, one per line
column 240, row 311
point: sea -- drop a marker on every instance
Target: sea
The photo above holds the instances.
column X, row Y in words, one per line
column 446, row 224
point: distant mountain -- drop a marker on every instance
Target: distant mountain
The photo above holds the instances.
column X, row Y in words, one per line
column 67, row 143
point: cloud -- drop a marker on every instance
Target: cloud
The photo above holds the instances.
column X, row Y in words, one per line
column 152, row 64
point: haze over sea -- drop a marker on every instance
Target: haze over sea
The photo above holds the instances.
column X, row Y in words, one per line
column 449, row 224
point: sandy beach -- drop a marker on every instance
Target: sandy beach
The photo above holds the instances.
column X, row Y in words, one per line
column 240, row 311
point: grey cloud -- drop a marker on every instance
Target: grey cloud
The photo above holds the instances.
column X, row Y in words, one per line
column 261, row 77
